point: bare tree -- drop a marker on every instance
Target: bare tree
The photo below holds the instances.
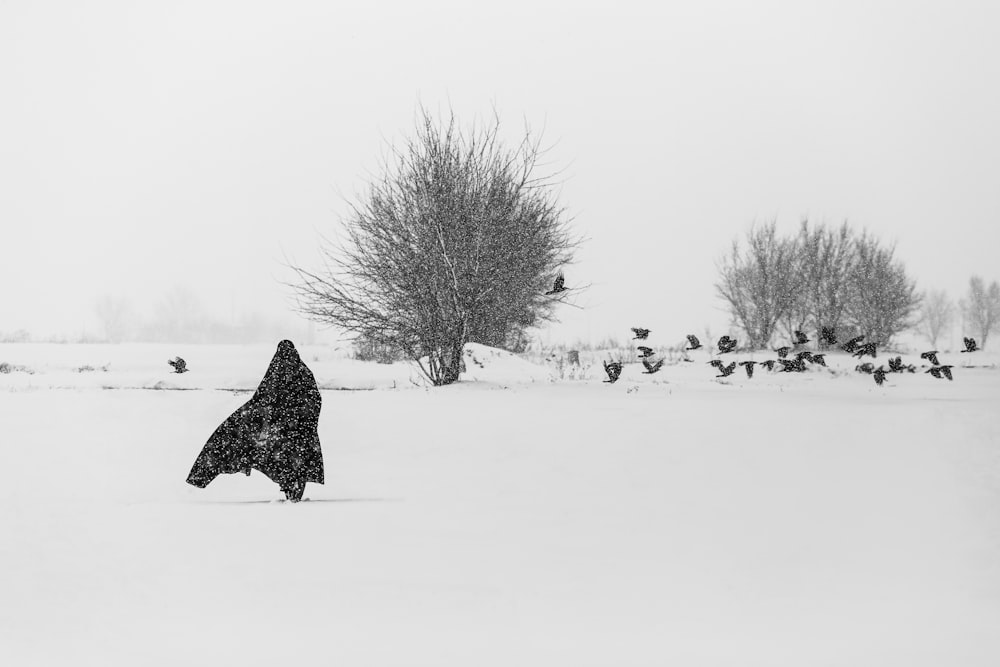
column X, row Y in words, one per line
column 882, row 298
column 825, row 260
column 981, row 307
column 756, row 281
column 457, row 242
column 935, row 315
column 114, row 314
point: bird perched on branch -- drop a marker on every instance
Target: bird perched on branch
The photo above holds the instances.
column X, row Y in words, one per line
column 867, row 348
column 640, row 333
column 651, row 367
column 726, row 344
column 783, row 351
column 970, row 345
column 180, row 366
column 695, row 343
column 800, row 338
column 827, row 336
column 645, row 352
column 558, row 285
column 852, row 345
column 748, row 367
column 930, row 356
column 879, row 374
column 938, row 371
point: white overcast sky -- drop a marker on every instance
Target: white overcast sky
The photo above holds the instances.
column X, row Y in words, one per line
column 145, row 145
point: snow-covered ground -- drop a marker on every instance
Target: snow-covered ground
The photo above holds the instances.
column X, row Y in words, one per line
column 673, row 519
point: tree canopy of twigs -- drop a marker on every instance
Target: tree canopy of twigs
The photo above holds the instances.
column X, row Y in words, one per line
column 981, row 308
column 457, row 241
column 821, row 278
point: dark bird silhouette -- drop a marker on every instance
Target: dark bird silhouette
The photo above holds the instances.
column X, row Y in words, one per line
column 640, row 334
column 852, row 345
column 769, row 364
column 879, row 374
column 970, row 345
column 726, row 371
column 800, row 338
column 558, row 285
column 726, row 344
column 695, row 343
column 930, row 356
column 867, row 348
column 748, row 367
column 180, row 366
column 614, row 371
column 792, row 365
column 866, row 367
column 827, row 336
column 819, row 359
column 651, row 367
column 783, row 351
column 275, row 432
column 804, row 354
column 938, row 371
column 896, row 364
column 645, row 351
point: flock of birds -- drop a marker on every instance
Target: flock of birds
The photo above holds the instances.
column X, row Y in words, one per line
column 797, row 362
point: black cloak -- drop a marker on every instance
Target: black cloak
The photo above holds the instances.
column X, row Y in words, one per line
column 274, row 432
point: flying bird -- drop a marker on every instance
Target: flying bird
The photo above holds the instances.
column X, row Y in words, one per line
column 180, row 366
column 852, row 345
column 867, row 348
column 726, row 371
column 819, row 359
column 879, row 374
column 896, row 364
column 645, row 351
column 651, row 367
column 866, row 367
column 640, row 333
column 769, row 364
column 695, row 343
column 748, row 367
column 930, row 356
column 970, row 345
column 828, row 336
column 937, row 371
column 804, row 354
column 614, row 371
column 792, row 365
column 275, row 432
column 558, row 285
column 726, row 344
column 783, row 351
column 800, row 338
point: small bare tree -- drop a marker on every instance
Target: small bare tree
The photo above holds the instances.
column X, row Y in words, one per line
column 981, row 308
column 115, row 317
column 756, row 281
column 935, row 315
column 457, row 242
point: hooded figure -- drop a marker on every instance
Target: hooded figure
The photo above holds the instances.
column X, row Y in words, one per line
column 274, row 432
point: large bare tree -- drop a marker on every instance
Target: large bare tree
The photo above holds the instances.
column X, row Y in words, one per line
column 756, row 279
column 456, row 242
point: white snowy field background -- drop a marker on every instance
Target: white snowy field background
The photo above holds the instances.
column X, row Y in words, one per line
column 522, row 516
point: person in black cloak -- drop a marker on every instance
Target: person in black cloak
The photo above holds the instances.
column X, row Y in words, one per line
column 274, row 432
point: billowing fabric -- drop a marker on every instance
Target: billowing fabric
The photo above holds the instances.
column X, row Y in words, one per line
column 274, row 432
